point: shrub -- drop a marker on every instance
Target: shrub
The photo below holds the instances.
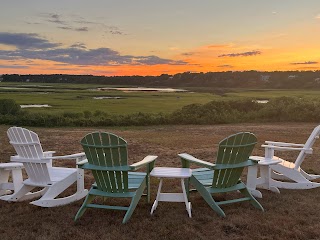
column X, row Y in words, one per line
column 9, row 106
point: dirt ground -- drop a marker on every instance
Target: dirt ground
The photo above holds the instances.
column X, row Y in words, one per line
column 293, row 214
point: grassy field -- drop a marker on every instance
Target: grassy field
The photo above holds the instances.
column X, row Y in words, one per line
column 293, row 214
column 79, row 97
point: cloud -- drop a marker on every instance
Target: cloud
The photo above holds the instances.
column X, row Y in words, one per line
column 14, row 66
column 188, row 54
column 77, row 54
column 116, row 32
column 62, row 24
column 78, row 23
column 55, row 18
column 78, row 45
column 318, row 16
column 26, row 41
column 81, row 29
column 304, row 63
column 218, row 46
column 225, row 66
column 244, row 54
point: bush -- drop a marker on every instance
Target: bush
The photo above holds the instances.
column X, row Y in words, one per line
column 9, row 106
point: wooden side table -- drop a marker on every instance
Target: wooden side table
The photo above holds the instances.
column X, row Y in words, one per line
column 264, row 181
column 16, row 173
column 165, row 172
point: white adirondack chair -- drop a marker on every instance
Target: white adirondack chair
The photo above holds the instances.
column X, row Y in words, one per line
column 41, row 173
column 289, row 175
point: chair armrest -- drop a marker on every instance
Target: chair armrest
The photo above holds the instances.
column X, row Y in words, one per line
column 82, row 162
column 17, row 158
column 284, row 144
column 192, row 159
column 81, row 156
column 279, row 148
column 147, row 160
column 48, row 153
column 78, row 156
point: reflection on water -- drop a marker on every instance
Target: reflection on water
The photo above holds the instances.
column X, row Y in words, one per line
column 99, row 98
column 35, row 106
column 143, row 89
column 9, row 88
column 260, row 101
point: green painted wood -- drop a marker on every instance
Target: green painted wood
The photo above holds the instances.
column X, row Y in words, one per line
column 107, row 207
column 134, row 201
column 103, row 168
column 233, row 155
column 107, row 156
column 234, row 201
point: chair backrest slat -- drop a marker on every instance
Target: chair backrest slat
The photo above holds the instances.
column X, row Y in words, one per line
column 234, row 149
column 109, row 150
column 309, row 144
column 28, row 146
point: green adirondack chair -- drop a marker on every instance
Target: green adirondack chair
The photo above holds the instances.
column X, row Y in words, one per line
column 224, row 175
column 107, row 158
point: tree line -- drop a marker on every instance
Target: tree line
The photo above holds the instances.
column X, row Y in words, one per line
column 229, row 79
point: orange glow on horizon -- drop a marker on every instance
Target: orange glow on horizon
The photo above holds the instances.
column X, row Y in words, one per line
column 211, row 58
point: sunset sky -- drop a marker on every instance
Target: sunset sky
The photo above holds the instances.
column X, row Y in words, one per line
column 147, row 37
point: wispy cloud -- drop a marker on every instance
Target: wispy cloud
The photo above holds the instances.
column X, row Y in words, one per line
column 243, row 54
column 188, row 54
column 219, row 46
column 78, row 23
column 304, row 63
column 78, row 45
column 32, row 46
column 225, row 66
column 14, row 66
column 318, row 16
column 56, row 18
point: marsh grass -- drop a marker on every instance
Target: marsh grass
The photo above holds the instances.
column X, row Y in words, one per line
column 293, row 214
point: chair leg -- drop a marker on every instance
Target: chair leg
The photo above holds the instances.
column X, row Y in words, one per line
column 83, row 207
column 207, row 196
column 148, row 188
column 134, row 201
column 19, row 195
column 253, row 201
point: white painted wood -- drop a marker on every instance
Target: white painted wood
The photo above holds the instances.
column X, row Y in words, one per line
column 278, row 173
column 254, row 182
column 38, row 165
column 188, row 204
column 165, row 172
column 16, row 174
column 171, row 197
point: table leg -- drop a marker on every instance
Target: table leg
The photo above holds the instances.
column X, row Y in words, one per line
column 252, row 181
column 155, row 204
column 265, row 172
column 188, row 204
column 17, row 179
column 4, row 177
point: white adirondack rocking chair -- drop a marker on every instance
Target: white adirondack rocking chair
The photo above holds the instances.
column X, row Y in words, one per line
column 41, row 173
column 289, row 175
